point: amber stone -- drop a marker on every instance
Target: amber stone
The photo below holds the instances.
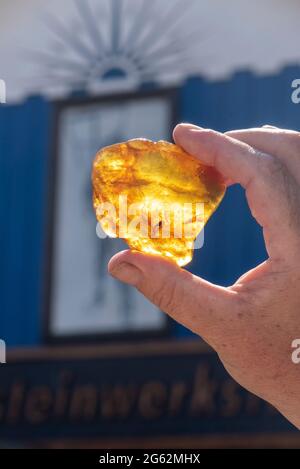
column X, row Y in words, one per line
column 155, row 196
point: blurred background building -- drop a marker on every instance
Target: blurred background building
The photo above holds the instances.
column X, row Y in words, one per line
column 81, row 74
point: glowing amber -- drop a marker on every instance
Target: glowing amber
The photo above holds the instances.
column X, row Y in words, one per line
column 167, row 188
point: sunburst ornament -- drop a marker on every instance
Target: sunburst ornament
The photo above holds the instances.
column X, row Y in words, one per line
column 116, row 44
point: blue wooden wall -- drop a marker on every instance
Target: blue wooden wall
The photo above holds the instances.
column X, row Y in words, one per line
column 233, row 241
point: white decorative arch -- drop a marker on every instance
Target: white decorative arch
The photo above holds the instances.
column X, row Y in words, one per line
column 53, row 48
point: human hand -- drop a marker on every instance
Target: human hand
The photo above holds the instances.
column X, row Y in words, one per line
column 251, row 324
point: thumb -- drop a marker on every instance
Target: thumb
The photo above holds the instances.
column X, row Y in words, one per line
column 190, row 300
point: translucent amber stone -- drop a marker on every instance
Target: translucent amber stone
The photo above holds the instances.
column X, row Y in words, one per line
column 155, row 196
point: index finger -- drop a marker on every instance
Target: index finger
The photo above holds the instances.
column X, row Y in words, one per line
column 268, row 185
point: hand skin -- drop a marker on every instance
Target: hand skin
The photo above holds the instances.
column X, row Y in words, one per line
column 251, row 324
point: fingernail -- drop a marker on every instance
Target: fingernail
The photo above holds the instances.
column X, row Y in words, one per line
column 188, row 126
column 127, row 273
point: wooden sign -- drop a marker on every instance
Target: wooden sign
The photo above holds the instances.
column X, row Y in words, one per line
column 160, row 391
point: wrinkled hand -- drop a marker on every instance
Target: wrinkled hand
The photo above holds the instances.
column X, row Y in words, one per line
column 251, row 324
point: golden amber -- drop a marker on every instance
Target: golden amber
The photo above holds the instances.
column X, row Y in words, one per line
column 155, row 196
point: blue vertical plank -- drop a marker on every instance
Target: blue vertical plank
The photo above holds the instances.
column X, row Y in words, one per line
column 24, row 147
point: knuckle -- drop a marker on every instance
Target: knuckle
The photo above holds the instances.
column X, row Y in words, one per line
column 270, row 167
column 166, row 297
column 294, row 138
column 208, row 133
column 209, row 136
